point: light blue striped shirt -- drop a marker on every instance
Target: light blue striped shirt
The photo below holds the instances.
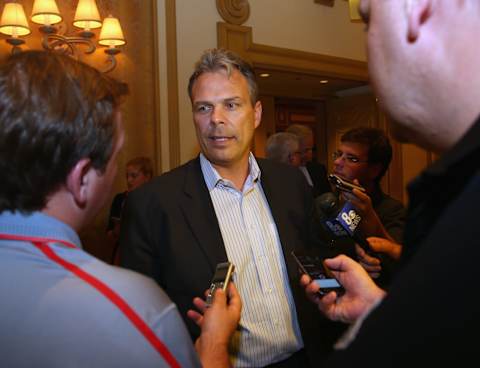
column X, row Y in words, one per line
column 269, row 330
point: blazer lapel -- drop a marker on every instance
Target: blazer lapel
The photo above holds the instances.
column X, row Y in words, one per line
column 199, row 213
column 276, row 200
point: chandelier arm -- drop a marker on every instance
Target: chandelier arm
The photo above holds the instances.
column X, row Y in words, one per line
column 52, row 41
column 113, row 63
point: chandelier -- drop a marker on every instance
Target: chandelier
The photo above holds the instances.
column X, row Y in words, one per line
column 14, row 24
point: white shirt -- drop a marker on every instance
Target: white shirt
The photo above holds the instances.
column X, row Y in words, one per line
column 305, row 172
column 269, row 330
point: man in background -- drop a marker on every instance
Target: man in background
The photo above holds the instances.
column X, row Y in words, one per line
column 425, row 73
column 363, row 157
column 315, row 173
column 285, row 148
column 60, row 135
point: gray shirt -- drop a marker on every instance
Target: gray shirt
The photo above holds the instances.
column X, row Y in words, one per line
column 51, row 317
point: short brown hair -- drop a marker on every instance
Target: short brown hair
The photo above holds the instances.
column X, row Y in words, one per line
column 54, row 111
column 379, row 147
column 213, row 60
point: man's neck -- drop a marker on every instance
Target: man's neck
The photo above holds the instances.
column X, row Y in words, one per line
column 61, row 206
column 237, row 173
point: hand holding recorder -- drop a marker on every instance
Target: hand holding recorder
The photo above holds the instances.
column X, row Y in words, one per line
column 219, row 319
column 313, row 266
column 360, row 292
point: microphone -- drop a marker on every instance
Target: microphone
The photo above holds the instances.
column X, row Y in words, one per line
column 326, row 208
column 341, row 221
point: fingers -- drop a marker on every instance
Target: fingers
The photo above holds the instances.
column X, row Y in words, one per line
column 360, row 251
column 305, row 280
column 386, row 246
column 234, row 299
column 339, row 263
column 219, row 297
column 369, row 267
column 195, row 317
column 200, row 304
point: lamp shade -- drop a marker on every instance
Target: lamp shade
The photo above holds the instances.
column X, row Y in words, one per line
column 111, row 33
column 14, row 22
column 45, row 12
column 87, row 15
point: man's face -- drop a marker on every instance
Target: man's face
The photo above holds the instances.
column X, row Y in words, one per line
column 306, row 148
column 352, row 163
column 295, row 157
column 392, row 67
column 224, row 117
column 135, row 177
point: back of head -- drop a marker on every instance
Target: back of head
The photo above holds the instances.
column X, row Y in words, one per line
column 306, row 140
column 54, row 111
column 301, row 131
column 280, row 146
column 144, row 164
column 214, row 60
column 379, row 148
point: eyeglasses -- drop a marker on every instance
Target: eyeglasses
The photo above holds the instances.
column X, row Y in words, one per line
column 350, row 158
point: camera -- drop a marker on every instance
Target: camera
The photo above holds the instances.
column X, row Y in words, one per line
column 343, row 185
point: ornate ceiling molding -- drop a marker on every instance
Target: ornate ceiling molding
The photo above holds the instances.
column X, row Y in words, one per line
column 234, row 11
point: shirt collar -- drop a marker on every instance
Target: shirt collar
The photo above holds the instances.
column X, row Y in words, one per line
column 37, row 224
column 212, row 177
column 466, row 152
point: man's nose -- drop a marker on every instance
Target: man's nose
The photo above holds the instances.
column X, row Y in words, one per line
column 218, row 116
column 338, row 162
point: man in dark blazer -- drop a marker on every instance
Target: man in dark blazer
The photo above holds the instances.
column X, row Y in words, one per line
column 226, row 204
column 315, row 173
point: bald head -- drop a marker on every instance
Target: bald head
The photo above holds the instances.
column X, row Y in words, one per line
column 423, row 67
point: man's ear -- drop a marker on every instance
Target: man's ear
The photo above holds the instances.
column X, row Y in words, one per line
column 78, row 181
column 374, row 170
column 258, row 113
column 418, row 12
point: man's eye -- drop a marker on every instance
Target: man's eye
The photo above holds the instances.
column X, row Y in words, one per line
column 231, row 105
column 202, row 108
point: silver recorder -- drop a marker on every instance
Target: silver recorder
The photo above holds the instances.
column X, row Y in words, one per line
column 221, row 278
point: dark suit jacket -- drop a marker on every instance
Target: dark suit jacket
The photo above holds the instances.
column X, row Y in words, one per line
column 170, row 232
column 431, row 312
column 318, row 174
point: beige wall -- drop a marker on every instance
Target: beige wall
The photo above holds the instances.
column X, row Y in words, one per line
column 307, row 26
column 196, row 31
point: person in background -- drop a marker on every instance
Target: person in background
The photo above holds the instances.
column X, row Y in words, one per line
column 285, row 148
column 315, row 173
column 224, row 205
column 61, row 306
column 363, row 157
column 139, row 170
column 425, row 73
